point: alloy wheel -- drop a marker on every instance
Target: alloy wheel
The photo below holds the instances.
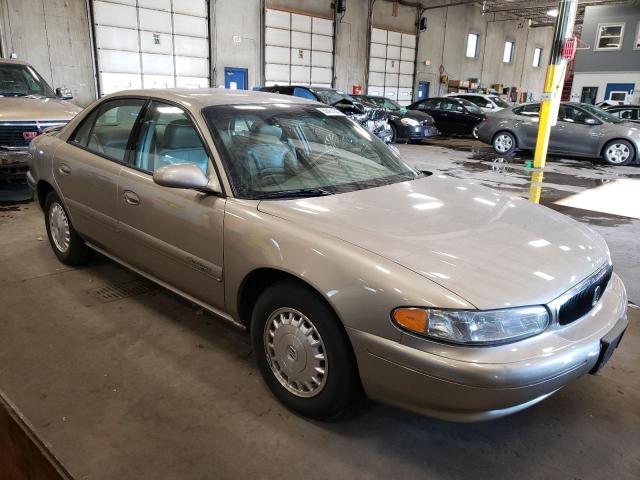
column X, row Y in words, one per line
column 617, row 153
column 503, row 143
column 295, row 352
column 59, row 227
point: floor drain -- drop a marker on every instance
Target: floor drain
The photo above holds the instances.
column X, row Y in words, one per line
column 111, row 293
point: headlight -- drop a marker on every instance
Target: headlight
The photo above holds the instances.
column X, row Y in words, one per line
column 409, row 122
column 474, row 327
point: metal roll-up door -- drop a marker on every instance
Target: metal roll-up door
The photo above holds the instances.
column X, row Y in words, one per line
column 298, row 49
column 391, row 65
column 151, row 44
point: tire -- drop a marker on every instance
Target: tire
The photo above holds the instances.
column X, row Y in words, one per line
column 618, row 153
column 291, row 327
column 394, row 133
column 65, row 241
column 474, row 131
column 504, row 143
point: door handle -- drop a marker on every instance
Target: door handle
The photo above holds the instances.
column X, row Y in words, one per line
column 64, row 169
column 131, row 198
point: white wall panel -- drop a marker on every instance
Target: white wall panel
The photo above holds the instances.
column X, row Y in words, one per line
column 391, row 79
column 277, row 19
column 197, row 8
column 164, row 5
column 321, row 59
column 301, row 23
column 300, row 56
column 391, row 64
column 408, row 40
column 188, row 25
column 377, row 64
column 115, row 15
column 192, row 82
column 301, row 40
column 322, row 42
column 156, row 43
column 158, row 81
column 191, row 46
column 192, row 66
column 408, row 54
column 406, row 68
column 376, row 91
column 394, row 38
column 279, row 55
column 378, row 36
column 276, row 72
column 321, row 75
column 114, row 82
column 322, row 26
column 119, row 62
column 405, row 95
column 376, row 78
column 157, row 64
column 277, row 37
column 300, row 74
column 378, row 50
column 393, row 52
column 115, row 38
column 405, row 81
column 391, row 92
column 155, row 21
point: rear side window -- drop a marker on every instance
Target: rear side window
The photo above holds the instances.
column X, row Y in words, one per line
column 528, row 110
column 627, row 114
column 480, row 101
column 106, row 131
column 304, row 93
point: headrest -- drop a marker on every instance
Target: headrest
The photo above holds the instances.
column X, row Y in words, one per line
column 181, row 134
column 269, row 130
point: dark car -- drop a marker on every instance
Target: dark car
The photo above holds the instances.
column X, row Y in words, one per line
column 367, row 114
column 629, row 113
column 405, row 124
column 453, row 116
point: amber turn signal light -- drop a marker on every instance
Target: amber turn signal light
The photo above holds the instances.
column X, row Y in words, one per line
column 414, row 319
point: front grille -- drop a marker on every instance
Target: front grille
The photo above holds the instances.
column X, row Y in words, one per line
column 583, row 297
column 11, row 133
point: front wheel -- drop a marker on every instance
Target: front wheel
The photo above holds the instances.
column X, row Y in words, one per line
column 618, row 153
column 504, row 143
column 303, row 352
column 65, row 241
column 474, row 132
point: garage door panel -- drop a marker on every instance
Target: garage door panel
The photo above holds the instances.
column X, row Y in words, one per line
column 404, row 96
column 155, row 21
column 322, row 42
column 405, row 81
column 277, row 37
column 116, row 38
column 393, row 52
column 192, row 82
column 301, row 40
column 301, row 23
column 407, row 54
column 377, row 64
column 279, row 55
column 148, row 43
column 115, row 15
column 378, row 36
column 322, row 26
column 277, row 19
column 321, row 75
column 197, row 8
column 277, row 72
column 158, row 81
column 164, row 5
column 192, row 66
column 157, row 64
column 408, row 40
column 322, row 59
column 392, row 66
column 394, row 38
column 191, row 46
column 376, row 78
column 406, row 68
column 300, row 74
column 300, row 56
column 390, row 79
column 119, row 62
column 378, row 50
column 188, row 25
column 114, row 82
column 391, row 92
column 377, row 91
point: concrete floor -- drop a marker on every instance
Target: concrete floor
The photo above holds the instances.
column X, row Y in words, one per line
column 149, row 386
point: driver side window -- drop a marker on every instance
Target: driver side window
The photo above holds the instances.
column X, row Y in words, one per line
column 573, row 115
column 167, row 137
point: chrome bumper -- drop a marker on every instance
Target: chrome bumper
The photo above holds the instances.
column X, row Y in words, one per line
column 484, row 383
column 13, row 163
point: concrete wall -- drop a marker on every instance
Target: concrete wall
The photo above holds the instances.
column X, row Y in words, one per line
column 351, row 46
column 600, row 80
column 53, row 35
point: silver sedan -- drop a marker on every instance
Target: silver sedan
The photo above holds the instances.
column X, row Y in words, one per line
column 582, row 131
column 352, row 270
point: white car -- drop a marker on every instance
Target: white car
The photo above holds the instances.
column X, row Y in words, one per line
column 487, row 103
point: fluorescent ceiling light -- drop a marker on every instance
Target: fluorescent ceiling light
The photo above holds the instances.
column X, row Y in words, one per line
column 552, row 13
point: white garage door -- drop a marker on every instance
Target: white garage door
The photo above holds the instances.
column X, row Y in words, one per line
column 298, row 49
column 391, row 63
column 151, row 44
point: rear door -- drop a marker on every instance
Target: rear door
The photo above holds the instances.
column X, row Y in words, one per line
column 86, row 168
column 173, row 234
column 526, row 123
column 572, row 135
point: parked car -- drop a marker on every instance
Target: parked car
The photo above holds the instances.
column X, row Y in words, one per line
column 486, row 103
column 369, row 115
column 452, row 115
column 28, row 106
column 629, row 113
column 350, row 268
column 582, row 130
column 405, row 124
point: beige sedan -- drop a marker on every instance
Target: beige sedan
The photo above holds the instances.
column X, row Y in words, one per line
column 353, row 271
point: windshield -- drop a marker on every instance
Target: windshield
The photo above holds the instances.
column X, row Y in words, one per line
column 22, row 80
column 282, row 150
column 499, row 102
column 601, row 114
column 471, row 107
column 331, row 97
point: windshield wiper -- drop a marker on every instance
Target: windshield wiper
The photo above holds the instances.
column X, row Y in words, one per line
column 307, row 192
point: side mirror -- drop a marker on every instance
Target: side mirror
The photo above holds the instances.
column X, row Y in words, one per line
column 591, row 121
column 63, row 93
column 185, row 175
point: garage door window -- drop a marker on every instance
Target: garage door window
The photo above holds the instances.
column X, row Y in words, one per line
column 391, row 65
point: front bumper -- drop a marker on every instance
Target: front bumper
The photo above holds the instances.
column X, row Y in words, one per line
column 420, row 132
column 13, row 164
column 469, row 384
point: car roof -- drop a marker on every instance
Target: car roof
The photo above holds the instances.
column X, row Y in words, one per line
column 197, row 98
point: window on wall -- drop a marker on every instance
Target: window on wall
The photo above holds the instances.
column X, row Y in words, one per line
column 637, row 44
column 507, row 56
column 610, row 36
column 537, row 57
column 472, row 45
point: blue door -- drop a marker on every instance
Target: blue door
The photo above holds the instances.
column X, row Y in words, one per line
column 423, row 90
column 235, row 78
column 619, row 91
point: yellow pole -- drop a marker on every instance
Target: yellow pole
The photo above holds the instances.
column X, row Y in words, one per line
column 553, row 82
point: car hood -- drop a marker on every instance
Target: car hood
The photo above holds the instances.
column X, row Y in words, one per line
column 415, row 115
column 491, row 249
column 24, row 109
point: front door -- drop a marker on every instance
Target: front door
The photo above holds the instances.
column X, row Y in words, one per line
column 423, row 90
column 87, row 168
column 572, row 134
column 235, row 78
column 589, row 95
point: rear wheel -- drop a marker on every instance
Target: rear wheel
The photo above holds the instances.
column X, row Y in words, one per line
column 394, row 133
column 303, row 352
column 618, row 152
column 504, row 143
column 65, row 241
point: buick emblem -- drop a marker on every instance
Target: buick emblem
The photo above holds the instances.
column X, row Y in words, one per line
column 29, row 135
column 596, row 296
